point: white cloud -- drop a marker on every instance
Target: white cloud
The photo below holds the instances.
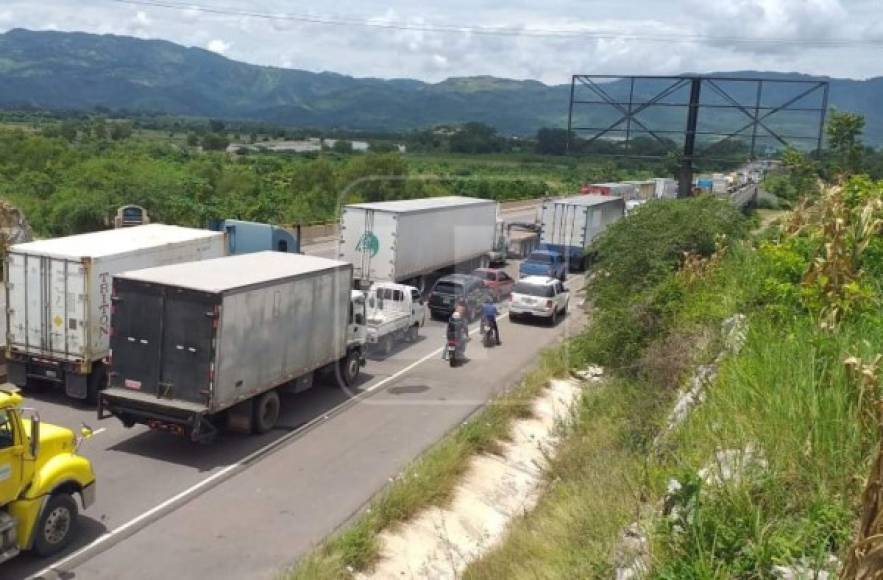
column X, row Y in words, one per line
column 387, row 52
column 218, row 45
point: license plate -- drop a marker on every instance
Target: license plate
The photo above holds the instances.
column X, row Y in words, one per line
column 130, row 384
column 51, row 374
column 448, row 300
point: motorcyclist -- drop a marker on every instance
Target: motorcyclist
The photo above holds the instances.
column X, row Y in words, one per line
column 489, row 318
column 457, row 330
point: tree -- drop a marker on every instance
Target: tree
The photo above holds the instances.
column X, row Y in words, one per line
column 552, row 141
column 476, row 138
column 215, row 142
column 374, row 177
column 216, row 126
column 121, row 130
column 192, row 139
column 342, row 146
column 844, row 132
column 69, row 131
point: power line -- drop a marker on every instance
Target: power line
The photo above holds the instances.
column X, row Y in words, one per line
column 497, row 31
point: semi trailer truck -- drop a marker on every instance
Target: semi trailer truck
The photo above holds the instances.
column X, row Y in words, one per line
column 41, row 476
column 58, row 297
column 570, row 225
column 206, row 345
column 404, row 241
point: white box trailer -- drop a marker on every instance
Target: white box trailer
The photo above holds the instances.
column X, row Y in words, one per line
column 202, row 344
column 666, row 188
column 570, row 225
column 59, row 300
column 403, row 241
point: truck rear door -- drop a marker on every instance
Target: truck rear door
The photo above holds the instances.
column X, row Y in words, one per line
column 47, row 306
column 162, row 341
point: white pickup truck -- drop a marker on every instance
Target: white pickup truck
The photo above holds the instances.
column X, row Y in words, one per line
column 394, row 312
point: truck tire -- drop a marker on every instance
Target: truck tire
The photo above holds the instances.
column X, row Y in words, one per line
column 553, row 320
column 386, row 345
column 413, row 333
column 348, row 369
column 57, row 525
column 265, row 412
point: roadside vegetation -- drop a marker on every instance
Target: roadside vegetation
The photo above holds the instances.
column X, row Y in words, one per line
column 797, row 406
column 430, row 480
column 70, row 177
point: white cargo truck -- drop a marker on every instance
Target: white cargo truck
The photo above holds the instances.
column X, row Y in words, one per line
column 666, row 188
column 202, row 346
column 570, row 225
column 58, row 295
column 404, row 241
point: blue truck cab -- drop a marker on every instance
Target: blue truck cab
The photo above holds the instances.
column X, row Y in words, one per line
column 245, row 237
column 544, row 263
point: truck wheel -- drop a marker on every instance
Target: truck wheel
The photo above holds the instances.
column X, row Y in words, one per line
column 553, row 320
column 348, row 369
column 386, row 346
column 413, row 332
column 266, row 412
column 57, row 525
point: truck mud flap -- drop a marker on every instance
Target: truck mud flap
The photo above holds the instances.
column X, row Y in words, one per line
column 76, row 385
column 17, row 373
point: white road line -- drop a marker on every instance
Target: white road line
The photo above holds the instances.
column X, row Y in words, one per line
column 99, row 431
column 145, row 516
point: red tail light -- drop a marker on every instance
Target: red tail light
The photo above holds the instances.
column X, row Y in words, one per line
column 549, row 303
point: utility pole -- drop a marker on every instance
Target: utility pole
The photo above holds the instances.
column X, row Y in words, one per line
column 685, row 183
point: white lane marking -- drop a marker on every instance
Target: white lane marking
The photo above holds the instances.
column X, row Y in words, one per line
column 417, row 362
column 99, row 431
column 53, row 568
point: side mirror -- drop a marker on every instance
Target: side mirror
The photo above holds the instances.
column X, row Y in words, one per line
column 85, row 433
column 35, row 435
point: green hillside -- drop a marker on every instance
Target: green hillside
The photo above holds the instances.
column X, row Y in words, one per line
column 61, row 70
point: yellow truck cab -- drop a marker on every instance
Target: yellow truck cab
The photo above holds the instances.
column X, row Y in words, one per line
column 40, row 473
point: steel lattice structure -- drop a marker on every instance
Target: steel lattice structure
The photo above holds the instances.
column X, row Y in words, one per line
column 706, row 112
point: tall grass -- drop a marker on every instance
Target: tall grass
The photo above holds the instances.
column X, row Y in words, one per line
column 593, row 486
column 790, row 398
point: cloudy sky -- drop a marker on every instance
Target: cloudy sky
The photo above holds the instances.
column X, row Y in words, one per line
column 547, row 40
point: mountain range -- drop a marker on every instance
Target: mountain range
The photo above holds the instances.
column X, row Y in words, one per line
column 81, row 71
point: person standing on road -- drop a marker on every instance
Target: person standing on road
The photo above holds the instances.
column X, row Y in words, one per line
column 489, row 315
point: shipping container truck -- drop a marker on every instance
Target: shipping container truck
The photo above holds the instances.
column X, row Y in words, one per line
column 404, row 241
column 570, row 225
column 58, row 295
column 244, row 237
column 644, row 190
column 666, row 188
column 623, row 190
column 197, row 347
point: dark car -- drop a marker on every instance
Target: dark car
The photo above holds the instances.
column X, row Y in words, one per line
column 455, row 289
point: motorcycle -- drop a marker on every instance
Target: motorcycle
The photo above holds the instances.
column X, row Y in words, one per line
column 487, row 336
column 451, row 351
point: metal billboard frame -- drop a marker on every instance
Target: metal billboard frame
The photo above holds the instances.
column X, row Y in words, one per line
column 757, row 113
